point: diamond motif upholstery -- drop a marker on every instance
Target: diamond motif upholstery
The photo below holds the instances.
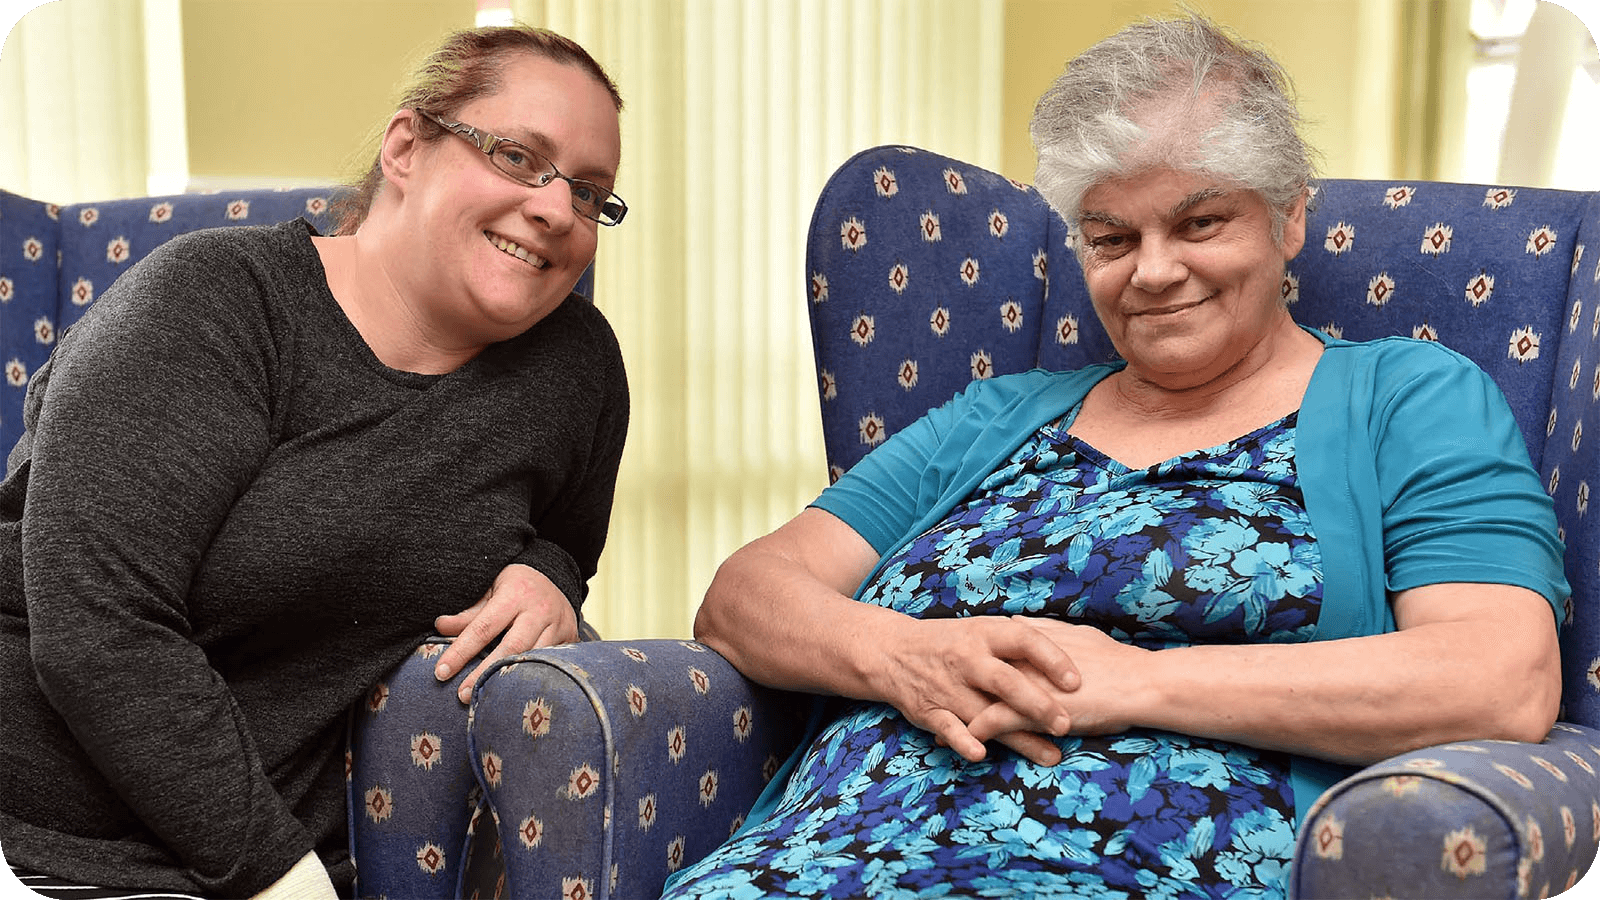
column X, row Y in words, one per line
column 926, row 272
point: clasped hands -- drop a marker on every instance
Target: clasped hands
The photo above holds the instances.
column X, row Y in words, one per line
column 1015, row 680
column 524, row 605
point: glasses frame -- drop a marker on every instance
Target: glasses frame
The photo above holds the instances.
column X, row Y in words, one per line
column 488, row 143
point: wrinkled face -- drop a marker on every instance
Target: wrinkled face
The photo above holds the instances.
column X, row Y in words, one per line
column 497, row 256
column 1184, row 272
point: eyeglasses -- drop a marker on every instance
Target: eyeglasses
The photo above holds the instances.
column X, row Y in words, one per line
column 534, row 169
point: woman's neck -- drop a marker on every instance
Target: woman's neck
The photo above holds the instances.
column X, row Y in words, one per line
column 362, row 283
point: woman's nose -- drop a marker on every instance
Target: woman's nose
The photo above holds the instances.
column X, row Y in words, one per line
column 551, row 204
column 1159, row 265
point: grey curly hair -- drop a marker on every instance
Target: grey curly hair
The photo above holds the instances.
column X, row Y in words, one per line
column 1178, row 93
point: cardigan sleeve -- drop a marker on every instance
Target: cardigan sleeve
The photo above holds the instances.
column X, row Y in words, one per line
column 1462, row 502
column 1414, row 472
column 146, row 424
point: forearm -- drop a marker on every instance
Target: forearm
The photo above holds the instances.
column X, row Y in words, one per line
column 1361, row 699
column 1270, row 696
column 778, row 611
column 162, row 730
column 781, row 626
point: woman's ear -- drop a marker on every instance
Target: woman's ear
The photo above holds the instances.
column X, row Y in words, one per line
column 1294, row 228
column 400, row 147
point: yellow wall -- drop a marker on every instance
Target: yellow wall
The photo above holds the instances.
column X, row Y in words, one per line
column 1341, row 54
column 294, row 89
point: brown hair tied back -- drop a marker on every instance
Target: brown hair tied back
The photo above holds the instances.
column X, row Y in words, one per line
column 466, row 66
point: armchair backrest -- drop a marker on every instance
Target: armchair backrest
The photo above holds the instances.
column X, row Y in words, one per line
column 925, row 272
column 55, row 260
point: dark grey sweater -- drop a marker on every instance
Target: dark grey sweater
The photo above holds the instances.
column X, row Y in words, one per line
column 226, row 520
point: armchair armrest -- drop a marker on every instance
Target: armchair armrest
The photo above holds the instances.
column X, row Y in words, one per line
column 412, row 794
column 1471, row 819
column 610, row 764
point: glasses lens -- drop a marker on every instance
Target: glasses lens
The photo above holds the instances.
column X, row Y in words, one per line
column 595, row 202
column 589, row 200
column 523, row 164
column 612, row 211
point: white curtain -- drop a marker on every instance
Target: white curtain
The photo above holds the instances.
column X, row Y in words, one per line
column 1551, row 54
column 737, row 111
column 72, row 92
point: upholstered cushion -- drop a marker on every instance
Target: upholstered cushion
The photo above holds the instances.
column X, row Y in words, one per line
column 1478, row 819
column 609, row 765
column 29, row 275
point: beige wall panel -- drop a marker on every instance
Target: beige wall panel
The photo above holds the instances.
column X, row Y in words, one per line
column 293, row 89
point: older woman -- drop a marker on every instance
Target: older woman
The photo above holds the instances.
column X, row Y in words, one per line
column 268, row 463
column 1109, row 632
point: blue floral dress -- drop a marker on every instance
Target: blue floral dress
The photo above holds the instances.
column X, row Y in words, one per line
column 1210, row 547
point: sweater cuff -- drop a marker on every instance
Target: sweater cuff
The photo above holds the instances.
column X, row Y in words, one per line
column 557, row 565
column 307, row 880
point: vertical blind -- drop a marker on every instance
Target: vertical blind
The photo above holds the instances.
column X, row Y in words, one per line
column 73, row 100
column 736, row 113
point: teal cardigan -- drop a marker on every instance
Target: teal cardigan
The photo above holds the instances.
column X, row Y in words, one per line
column 1410, row 461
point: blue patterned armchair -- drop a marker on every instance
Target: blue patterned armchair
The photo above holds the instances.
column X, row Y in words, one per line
column 927, row 272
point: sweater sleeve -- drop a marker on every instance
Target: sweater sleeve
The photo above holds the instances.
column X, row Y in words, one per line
column 567, row 537
column 147, row 423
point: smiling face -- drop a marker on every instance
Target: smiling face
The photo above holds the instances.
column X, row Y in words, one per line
column 489, row 257
column 1184, row 273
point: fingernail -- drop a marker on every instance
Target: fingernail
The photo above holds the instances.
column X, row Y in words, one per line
column 442, row 672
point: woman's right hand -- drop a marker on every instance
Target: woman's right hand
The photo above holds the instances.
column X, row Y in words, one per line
column 780, row 610
column 943, row 673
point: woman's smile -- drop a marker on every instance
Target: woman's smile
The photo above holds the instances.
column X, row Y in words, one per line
column 512, row 248
column 1171, row 309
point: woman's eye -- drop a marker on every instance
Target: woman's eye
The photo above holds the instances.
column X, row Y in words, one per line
column 585, row 193
column 1107, row 244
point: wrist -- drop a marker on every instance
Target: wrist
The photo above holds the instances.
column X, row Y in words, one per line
column 306, row 880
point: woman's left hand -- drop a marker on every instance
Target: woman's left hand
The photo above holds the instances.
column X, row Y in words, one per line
column 1102, row 704
column 524, row 605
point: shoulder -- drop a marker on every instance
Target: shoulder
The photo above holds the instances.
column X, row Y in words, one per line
column 216, row 270
column 582, row 314
column 1381, row 373
column 1397, row 354
column 571, row 356
column 231, row 248
column 218, row 291
column 1409, row 391
column 575, row 335
column 1016, row 399
column 1033, row 383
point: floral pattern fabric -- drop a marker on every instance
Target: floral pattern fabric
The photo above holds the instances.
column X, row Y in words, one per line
column 1212, row 546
